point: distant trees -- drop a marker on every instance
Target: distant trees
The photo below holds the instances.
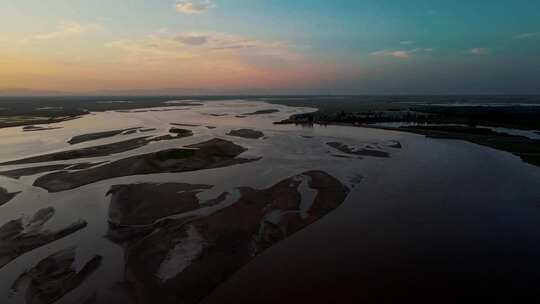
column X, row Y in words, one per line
column 341, row 116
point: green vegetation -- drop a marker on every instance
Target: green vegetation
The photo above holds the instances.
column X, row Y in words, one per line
column 369, row 110
column 518, row 117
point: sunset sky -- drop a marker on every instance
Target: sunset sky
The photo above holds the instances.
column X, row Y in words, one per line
column 271, row 46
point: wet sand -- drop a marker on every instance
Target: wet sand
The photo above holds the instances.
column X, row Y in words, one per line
column 211, row 154
column 18, row 173
column 261, row 112
column 35, row 121
column 96, row 151
column 98, row 135
column 358, row 151
column 143, row 204
column 181, row 132
column 20, row 236
column 102, row 150
column 173, row 263
column 6, row 196
column 54, row 277
column 38, row 128
column 184, row 125
column 82, row 166
column 439, row 204
column 246, row 133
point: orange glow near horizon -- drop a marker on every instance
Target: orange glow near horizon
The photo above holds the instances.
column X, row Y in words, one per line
column 225, row 73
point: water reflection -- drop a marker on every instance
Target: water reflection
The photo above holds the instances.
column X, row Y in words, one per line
column 434, row 212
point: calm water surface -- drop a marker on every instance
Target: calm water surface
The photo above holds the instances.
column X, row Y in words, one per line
column 437, row 220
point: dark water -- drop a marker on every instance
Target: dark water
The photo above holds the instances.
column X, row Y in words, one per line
column 100, row 103
column 459, row 223
column 438, row 221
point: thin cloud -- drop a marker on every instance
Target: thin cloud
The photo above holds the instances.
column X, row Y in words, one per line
column 205, row 47
column 192, row 39
column 407, row 42
column 192, row 7
column 401, row 54
column 479, row 51
column 68, row 29
column 525, row 36
column 195, row 58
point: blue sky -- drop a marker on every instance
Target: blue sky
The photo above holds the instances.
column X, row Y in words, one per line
column 273, row 46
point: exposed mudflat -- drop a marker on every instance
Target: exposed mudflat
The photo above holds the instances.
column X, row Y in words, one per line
column 181, row 103
column 172, row 263
column 366, row 150
column 184, row 124
column 143, row 204
column 22, row 235
column 18, row 173
column 394, row 144
column 38, row 128
column 102, row 150
column 246, row 133
column 181, row 132
column 95, row 151
column 210, row 154
column 6, row 196
column 182, row 213
column 82, row 166
column 54, row 277
column 98, row 135
column 261, row 112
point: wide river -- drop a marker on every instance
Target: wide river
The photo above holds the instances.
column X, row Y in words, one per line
column 437, row 220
